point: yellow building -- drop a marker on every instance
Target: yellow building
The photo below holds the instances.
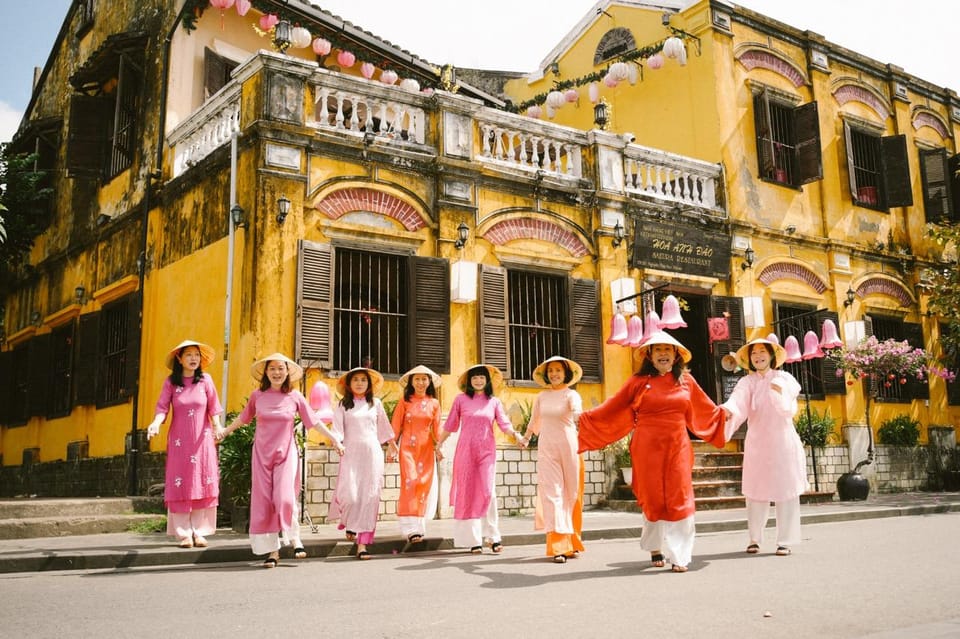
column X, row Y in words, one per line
column 215, row 182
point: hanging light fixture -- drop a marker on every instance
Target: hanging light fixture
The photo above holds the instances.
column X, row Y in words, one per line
column 617, row 235
column 236, row 214
column 283, row 36
column 283, row 209
column 463, row 233
column 601, row 114
column 851, row 297
column 748, row 258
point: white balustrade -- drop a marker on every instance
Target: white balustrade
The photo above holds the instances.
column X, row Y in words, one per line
column 675, row 178
column 525, row 145
column 346, row 104
column 207, row 129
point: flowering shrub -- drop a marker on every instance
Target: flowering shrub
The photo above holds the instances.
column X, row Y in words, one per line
column 887, row 362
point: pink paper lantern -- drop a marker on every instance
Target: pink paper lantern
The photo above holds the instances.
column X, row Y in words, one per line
column 534, row 111
column 655, row 61
column 321, row 46
column 571, row 95
column 367, row 69
column 618, row 330
column 221, row 4
column 320, row 401
column 242, row 7
column 268, row 21
column 651, row 325
column 594, row 92
column 610, row 81
column 829, row 337
column 772, row 337
column 346, row 59
column 671, row 314
column 389, row 77
column 811, row 346
column 792, row 346
column 634, row 331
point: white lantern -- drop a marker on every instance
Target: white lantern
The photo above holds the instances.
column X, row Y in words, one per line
column 409, row 84
column 594, row 91
column 619, row 70
column 555, row 99
column 321, row 46
column 633, row 73
column 673, row 47
column 300, row 38
column 534, row 111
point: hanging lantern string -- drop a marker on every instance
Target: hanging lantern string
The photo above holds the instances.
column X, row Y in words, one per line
column 597, row 76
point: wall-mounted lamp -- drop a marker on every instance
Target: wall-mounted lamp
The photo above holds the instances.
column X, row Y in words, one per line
column 35, row 318
column 748, row 258
column 665, row 18
column 80, row 295
column 463, row 232
column 617, row 235
column 283, row 209
column 601, row 114
column 555, row 68
column 236, row 214
column 282, row 35
column 851, row 297
column 791, row 229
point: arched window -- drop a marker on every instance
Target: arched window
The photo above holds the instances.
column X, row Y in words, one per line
column 613, row 43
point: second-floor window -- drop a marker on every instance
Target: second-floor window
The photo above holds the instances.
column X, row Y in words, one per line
column 788, row 141
column 941, row 185
column 878, row 169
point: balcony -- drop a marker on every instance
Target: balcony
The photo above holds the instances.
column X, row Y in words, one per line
column 353, row 111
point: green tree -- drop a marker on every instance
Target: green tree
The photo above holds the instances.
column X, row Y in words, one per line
column 25, row 200
column 945, row 290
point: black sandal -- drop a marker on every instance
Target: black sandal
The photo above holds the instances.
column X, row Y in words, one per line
column 476, row 550
column 363, row 554
column 415, row 539
column 496, row 547
column 299, row 552
column 270, row 562
column 657, row 560
column 753, row 549
column 351, row 536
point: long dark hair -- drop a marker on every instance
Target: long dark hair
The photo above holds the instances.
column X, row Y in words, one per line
column 487, row 388
column 408, row 389
column 347, row 400
column 773, row 356
column 647, row 367
column 265, row 384
column 176, row 372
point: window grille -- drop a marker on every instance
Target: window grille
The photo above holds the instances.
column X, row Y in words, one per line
column 61, row 369
column 113, row 353
column 798, row 327
column 123, row 130
column 538, row 319
column 370, row 311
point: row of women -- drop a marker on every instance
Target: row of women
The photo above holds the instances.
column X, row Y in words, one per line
column 656, row 407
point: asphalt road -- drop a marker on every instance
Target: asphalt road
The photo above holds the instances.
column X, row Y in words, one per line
column 877, row 578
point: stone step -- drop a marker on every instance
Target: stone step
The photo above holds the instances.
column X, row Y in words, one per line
column 717, row 473
column 31, row 527
column 79, row 507
column 628, row 504
column 722, row 488
column 717, row 458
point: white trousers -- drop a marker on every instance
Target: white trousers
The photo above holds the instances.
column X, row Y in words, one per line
column 200, row 522
column 788, row 520
column 673, row 538
column 265, row 543
column 469, row 533
column 418, row 525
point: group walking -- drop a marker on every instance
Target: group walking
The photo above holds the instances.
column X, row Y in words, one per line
column 658, row 407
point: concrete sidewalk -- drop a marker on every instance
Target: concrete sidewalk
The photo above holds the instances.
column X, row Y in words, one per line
column 133, row 550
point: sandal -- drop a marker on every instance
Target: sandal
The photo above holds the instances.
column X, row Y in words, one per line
column 186, row 542
column 199, row 541
column 559, row 559
column 496, row 547
column 657, row 560
column 299, row 552
column 783, row 551
column 676, row 568
column 270, row 562
column 351, row 536
column 363, row 555
column 476, row 550
column 753, row 549
column 415, row 539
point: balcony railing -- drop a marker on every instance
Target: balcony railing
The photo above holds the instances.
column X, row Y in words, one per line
column 515, row 145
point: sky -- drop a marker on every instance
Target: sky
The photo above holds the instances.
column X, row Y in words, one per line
column 514, row 35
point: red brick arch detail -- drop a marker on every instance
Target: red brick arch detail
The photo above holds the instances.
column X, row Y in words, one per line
column 756, row 58
column 791, row 271
column 855, row 93
column 353, row 199
column 882, row 286
column 531, row 228
column 928, row 119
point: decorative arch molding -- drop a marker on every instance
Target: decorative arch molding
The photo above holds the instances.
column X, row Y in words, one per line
column 878, row 285
column 616, row 41
column 506, row 227
column 791, row 271
column 760, row 57
column 338, row 203
column 923, row 116
column 849, row 90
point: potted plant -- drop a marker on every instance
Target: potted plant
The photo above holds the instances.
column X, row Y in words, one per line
column 899, row 431
column 622, row 459
column 236, row 452
column 814, row 428
column 878, row 362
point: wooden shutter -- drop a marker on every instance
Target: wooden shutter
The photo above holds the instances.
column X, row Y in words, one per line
column 896, row 171
column 86, row 379
column 315, row 273
column 216, row 72
column 936, row 185
column 131, row 358
column 953, row 177
column 915, row 388
column 806, row 130
column 493, row 318
column 732, row 307
column 585, row 335
column 851, row 166
column 761, row 111
column 87, row 141
column 832, row 385
column 38, row 375
column 6, row 387
column 429, row 301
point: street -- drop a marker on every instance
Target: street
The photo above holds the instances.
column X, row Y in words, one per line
column 885, row 578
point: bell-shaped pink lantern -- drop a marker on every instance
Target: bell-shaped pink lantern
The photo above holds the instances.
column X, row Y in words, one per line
column 268, row 21
column 671, row 317
column 828, row 335
column 811, row 346
column 792, row 346
column 772, row 337
column 634, row 331
column 651, row 325
column 242, row 7
column 320, row 401
column 618, row 330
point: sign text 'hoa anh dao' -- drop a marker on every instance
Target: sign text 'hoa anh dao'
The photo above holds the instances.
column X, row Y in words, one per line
column 668, row 246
